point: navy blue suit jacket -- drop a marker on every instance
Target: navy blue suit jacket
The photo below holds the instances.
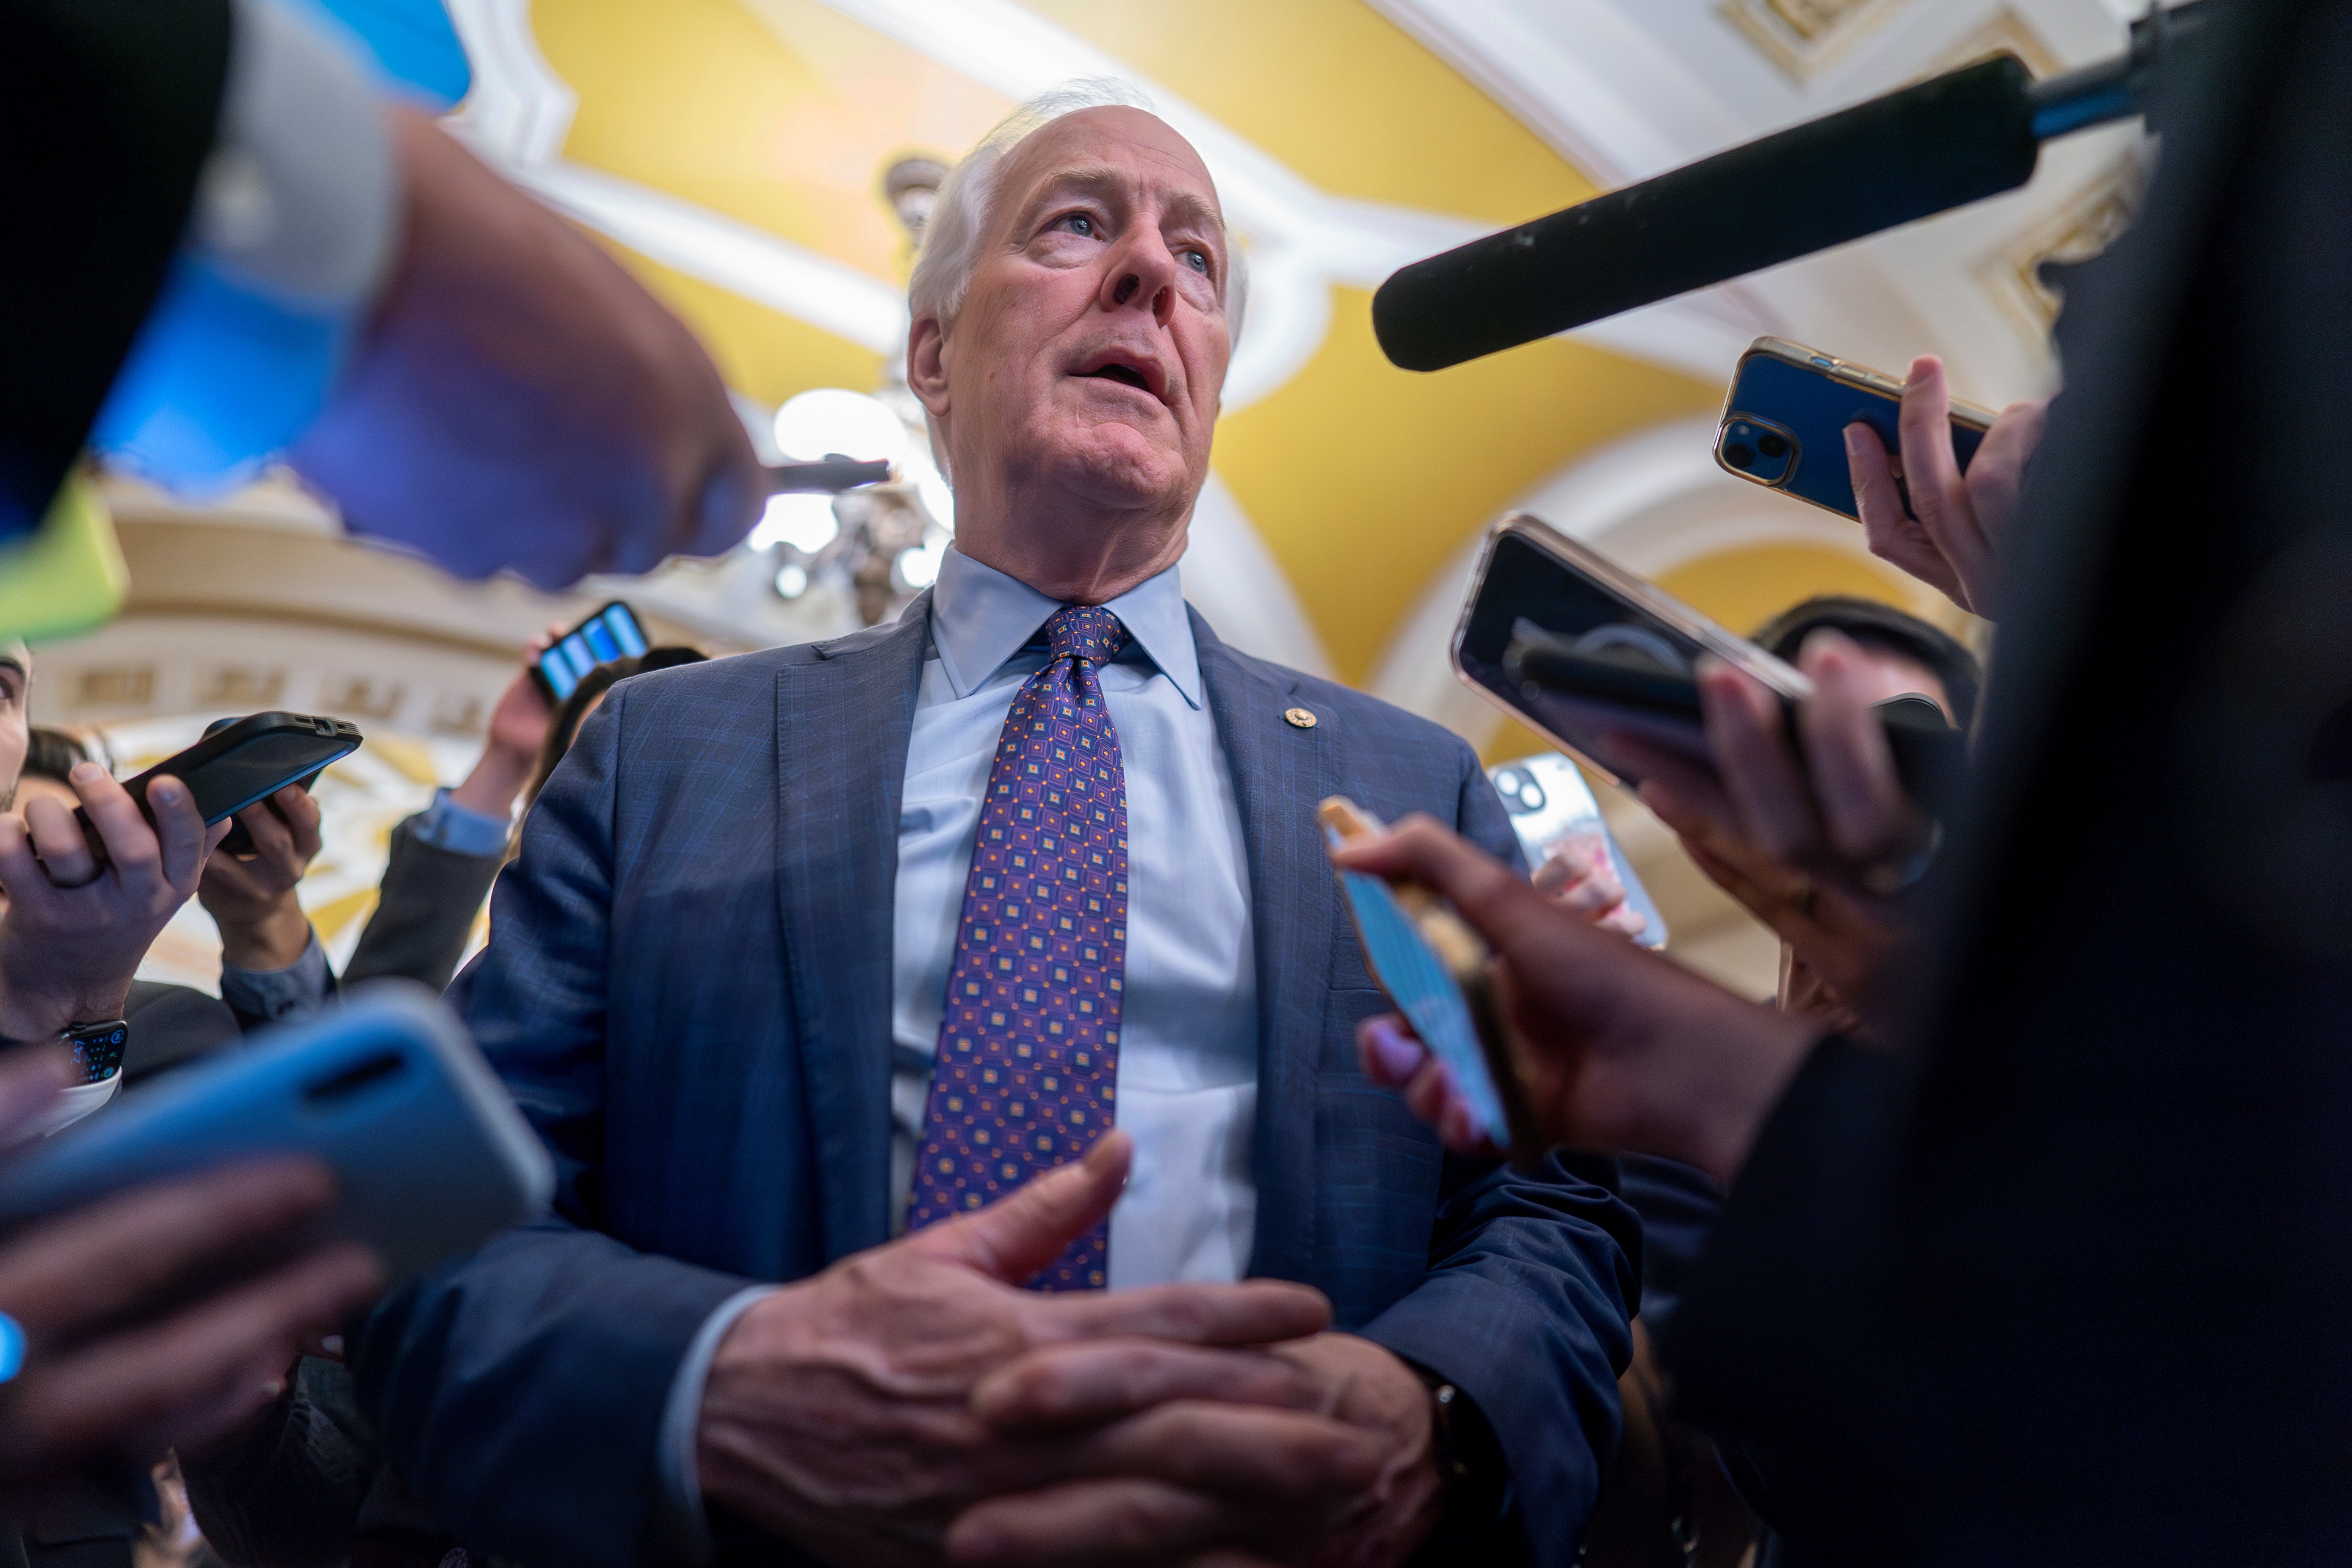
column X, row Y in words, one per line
column 687, row 989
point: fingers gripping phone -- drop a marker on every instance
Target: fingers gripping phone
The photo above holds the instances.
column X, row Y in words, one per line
column 1578, row 649
column 610, row 634
column 1434, row 967
column 1784, row 422
column 241, row 761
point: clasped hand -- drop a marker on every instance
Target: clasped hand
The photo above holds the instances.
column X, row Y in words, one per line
column 913, row 1402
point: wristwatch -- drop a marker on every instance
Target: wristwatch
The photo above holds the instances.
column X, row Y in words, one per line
column 1470, row 1464
column 97, row 1047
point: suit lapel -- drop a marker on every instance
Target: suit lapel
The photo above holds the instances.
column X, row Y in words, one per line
column 843, row 722
column 1280, row 771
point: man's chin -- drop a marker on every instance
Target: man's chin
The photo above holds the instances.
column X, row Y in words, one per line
column 1118, row 467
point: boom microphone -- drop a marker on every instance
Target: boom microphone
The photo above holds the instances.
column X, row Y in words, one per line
column 1948, row 142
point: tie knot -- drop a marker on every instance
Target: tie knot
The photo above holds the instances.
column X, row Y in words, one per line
column 1085, row 631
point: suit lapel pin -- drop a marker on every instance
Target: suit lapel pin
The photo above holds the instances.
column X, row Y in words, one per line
column 1300, row 718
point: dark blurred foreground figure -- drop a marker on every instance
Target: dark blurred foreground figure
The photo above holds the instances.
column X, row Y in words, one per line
column 2061, row 1279
column 501, row 394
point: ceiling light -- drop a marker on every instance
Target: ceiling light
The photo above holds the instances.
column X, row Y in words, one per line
column 831, row 420
column 792, row 580
column 803, row 521
column 920, row 567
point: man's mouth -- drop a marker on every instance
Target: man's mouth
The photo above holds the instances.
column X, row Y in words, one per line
column 1120, row 372
column 1141, row 373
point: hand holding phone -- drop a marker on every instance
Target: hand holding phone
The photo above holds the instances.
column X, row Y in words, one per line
column 79, row 921
column 1434, row 967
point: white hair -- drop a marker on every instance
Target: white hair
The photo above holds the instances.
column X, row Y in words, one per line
column 966, row 202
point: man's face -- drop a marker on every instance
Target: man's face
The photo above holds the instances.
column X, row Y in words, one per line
column 1091, row 345
column 14, row 734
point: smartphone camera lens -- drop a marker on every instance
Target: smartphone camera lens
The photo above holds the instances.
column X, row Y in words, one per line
column 1739, row 454
column 1771, row 447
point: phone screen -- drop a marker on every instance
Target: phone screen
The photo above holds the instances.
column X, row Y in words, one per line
column 609, row 635
column 1525, row 585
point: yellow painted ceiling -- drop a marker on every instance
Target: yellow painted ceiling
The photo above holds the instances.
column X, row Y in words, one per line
column 1362, row 479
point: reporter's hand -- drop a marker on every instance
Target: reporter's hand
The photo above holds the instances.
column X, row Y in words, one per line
column 521, row 400
column 1577, row 876
column 518, row 728
column 838, row 1410
column 1815, row 852
column 76, row 930
column 252, row 898
column 1951, row 536
column 120, row 1360
column 1161, row 1506
column 1617, row 1047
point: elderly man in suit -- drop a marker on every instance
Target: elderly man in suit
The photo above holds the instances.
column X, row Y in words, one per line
column 812, row 948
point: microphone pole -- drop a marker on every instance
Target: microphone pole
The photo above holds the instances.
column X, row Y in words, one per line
column 1943, row 143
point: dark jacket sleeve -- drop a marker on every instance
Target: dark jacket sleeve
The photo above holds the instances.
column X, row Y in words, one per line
column 550, row 1352
column 1533, row 1279
column 170, row 1026
column 423, row 913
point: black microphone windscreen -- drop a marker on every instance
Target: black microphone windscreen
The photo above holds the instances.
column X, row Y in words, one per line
column 1945, row 142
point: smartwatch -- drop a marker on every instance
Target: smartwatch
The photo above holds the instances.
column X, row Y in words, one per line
column 97, row 1047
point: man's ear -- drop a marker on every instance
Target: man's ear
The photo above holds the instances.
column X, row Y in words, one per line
column 927, row 363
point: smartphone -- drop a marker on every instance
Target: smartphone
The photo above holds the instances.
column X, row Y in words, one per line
column 240, row 761
column 612, row 633
column 1576, row 648
column 1549, row 804
column 430, row 1155
column 1434, row 967
column 240, row 841
column 1784, row 422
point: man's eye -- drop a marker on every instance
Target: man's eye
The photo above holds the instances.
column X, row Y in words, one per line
column 1198, row 261
column 1079, row 224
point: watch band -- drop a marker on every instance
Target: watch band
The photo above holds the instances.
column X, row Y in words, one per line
column 1470, row 1464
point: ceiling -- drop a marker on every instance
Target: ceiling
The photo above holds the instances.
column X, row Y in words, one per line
column 731, row 153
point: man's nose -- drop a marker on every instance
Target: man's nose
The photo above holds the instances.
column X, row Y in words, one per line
column 1142, row 272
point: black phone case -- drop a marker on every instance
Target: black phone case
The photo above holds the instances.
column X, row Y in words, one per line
column 250, row 759
column 1930, row 756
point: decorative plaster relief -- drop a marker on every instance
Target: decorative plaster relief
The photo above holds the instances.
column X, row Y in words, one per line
column 1802, row 36
column 2081, row 229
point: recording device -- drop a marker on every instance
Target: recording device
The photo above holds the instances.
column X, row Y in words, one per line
column 1950, row 141
column 240, row 761
column 429, row 1154
column 1784, row 422
column 1578, row 649
column 610, row 634
column 1434, row 967
column 1550, row 806
column 831, row 476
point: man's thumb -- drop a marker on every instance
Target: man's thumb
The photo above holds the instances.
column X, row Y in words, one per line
column 1014, row 1237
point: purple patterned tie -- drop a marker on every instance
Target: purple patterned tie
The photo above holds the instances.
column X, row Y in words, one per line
column 1028, row 1051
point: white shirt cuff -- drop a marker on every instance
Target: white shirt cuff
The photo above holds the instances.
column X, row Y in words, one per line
column 684, row 1524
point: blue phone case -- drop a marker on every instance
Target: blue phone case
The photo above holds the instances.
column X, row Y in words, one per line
column 1802, row 400
column 1417, row 981
column 428, row 1151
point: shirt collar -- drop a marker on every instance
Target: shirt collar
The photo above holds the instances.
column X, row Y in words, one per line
column 981, row 617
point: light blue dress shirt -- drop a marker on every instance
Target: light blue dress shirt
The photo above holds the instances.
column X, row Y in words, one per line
column 1188, row 1029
